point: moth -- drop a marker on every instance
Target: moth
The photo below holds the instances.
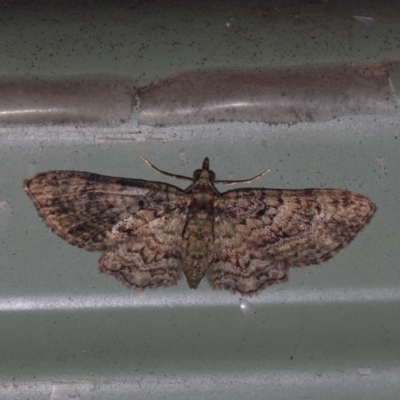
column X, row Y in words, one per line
column 150, row 232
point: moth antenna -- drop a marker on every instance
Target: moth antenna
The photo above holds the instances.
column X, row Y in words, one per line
column 186, row 178
column 244, row 180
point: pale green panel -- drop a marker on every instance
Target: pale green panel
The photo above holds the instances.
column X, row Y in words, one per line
column 332, row 331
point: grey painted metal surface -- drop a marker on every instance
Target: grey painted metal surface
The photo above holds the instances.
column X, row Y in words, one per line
column 332, row 331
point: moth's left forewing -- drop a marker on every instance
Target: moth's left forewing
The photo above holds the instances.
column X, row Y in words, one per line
column 95, row 211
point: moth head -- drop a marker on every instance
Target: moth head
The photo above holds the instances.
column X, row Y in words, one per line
column 204, row 172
